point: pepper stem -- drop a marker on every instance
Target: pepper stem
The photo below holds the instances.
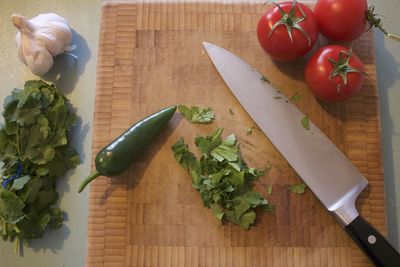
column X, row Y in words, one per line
column 87, row 180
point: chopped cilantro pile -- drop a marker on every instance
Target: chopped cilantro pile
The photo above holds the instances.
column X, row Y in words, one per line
column 222, row 178
column 196, row 114
column 34, row 153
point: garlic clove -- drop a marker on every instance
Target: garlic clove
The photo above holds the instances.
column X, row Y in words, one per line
column 35, row 56
column 40, row 39
column 40, row 62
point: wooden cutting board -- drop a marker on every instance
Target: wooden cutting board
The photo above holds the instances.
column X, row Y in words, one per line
column 150, row 57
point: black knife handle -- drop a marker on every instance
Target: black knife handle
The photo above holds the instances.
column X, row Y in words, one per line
column 373, row 243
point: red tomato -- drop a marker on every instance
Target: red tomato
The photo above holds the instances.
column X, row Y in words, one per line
column 341, row 20
column 334, row 73
column 286, row 35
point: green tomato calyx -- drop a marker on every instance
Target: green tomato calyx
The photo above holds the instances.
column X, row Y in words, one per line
column 290, row 21
column 341, row 68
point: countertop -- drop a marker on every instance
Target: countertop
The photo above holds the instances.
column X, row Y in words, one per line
column 76, row 78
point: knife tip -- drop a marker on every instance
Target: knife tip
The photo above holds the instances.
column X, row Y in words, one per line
column 206, row 44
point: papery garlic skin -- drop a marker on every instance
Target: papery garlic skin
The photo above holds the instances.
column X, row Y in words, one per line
column 40, row 39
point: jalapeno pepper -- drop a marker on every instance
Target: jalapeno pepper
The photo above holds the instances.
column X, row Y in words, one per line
column 116, row 157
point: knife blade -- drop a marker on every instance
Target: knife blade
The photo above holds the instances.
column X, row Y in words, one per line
column 323, row 167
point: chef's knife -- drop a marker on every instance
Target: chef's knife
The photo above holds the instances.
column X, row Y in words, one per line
column 323, row 167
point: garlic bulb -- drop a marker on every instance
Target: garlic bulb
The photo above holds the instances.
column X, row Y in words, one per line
column 40, row 39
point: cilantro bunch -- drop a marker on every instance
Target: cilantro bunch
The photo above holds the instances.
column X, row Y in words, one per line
column 222, row 178
column 34, row 153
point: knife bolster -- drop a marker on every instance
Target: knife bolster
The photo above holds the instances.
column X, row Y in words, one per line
column 347, row 212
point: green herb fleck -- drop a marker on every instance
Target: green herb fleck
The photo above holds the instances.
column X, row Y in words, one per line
column 196, row 114
column 305, row 122
column 298, row 189
column 263, row 78
column 222, row 178
column 296, row 97
column 277, row 97
column 269, row 189
column 231, row 111
column 249, row 130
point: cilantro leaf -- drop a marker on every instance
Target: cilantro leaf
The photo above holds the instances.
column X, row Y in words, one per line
column 197, row 180
column 29, row 106
column 243, row 221
column 247, row 219
column 184, row 157
column 10, row 112
column 196, row 114
column 236, row 179
column 218, row 211
column 57, row 218
column 42, row 171
column 298, row 189
column 255, row 199
column 31, row 190
column 45, row 197
column 19, row 183
column 227, row 150
column 65, row 158
column 11, row 207
column 208, row 143
column 8, row 146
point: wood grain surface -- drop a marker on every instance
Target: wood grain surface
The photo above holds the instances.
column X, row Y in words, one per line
column 151, row 56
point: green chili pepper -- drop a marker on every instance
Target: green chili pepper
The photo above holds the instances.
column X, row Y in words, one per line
column 116, row 157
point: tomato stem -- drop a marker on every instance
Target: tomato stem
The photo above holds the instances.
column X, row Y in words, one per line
column 290, row 21
column 375, row 21
column 341, row 68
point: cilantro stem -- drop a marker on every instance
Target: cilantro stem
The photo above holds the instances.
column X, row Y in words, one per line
column 87, row 180
column 16, row 244
column 17, row 142
column 4, row 228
